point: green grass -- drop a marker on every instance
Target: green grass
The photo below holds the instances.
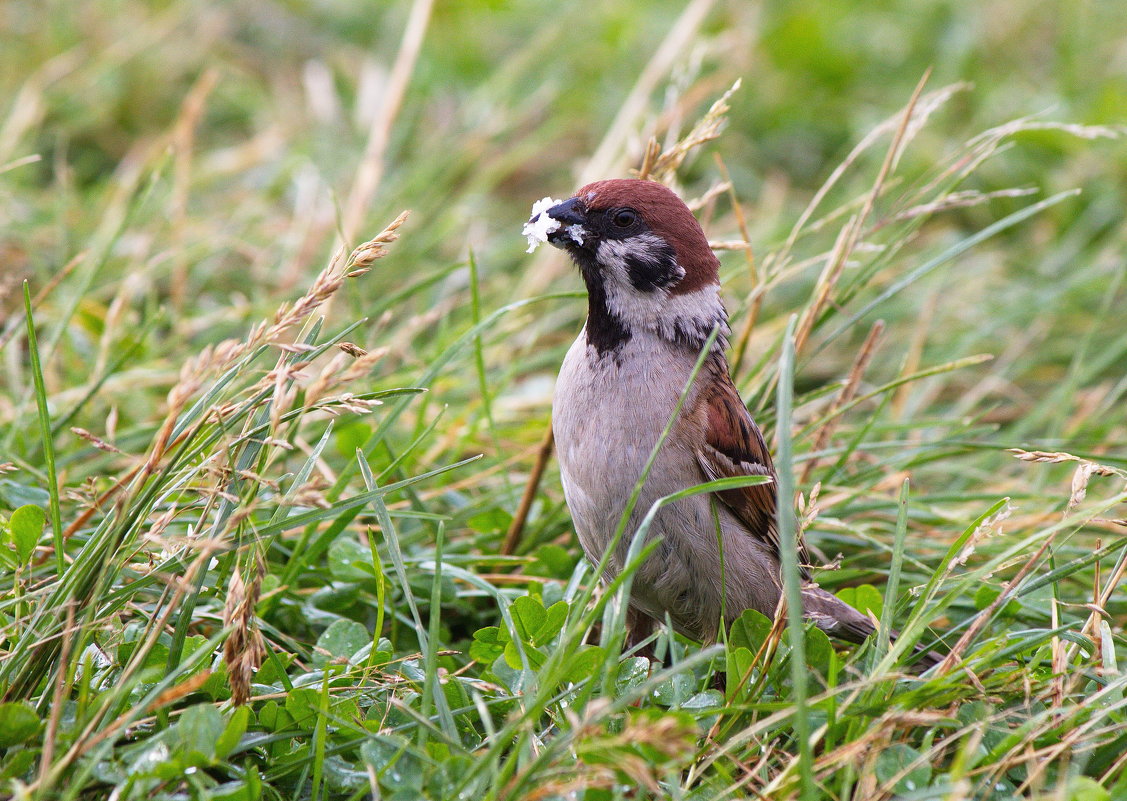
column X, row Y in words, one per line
column 238, row 464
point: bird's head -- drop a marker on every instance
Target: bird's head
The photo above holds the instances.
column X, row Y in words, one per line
column 644, row 257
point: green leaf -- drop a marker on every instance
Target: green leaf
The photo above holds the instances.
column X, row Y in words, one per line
column 749, row 631
column 818, row 650
column 528, row 616
column 18, row 723
column 340, row 640
column 26, row 525
column 490, row 521
column 17, row 763
column 675, row 691
column 13, row 494
column 395, row 765
column 303, row 703
column 894, row 759
column 632, row 673
column 349, row 560
column 488, row 644
column 233, row 732
column 584, row 664
column 702, row 701
column 1083, row 788
column 273, row 717
column 554, row 619
column 512, row 656
column 154, row 662
column 986, row 595
column 271, row 670
column 197, row 731
column 552, row 561
column 737, row 667
column 864, row 598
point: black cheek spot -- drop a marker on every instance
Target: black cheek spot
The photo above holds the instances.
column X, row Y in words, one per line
column 654, row 269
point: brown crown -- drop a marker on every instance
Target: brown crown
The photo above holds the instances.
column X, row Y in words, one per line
column 668, row 217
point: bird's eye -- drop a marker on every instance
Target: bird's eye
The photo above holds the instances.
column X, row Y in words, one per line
column 624, row 218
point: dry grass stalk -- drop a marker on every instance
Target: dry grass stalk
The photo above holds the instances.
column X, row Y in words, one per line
column 244, row 648
column 808, row 510
column 352, row 349
column 57, row 697
column 284, row 378
column 834, row 268
column 329, row 375
column 664, row 167
column 14, row 320
column 97, row 442
column 1080, row 478
column 756, row 275
column 1056, row 457
column 905, row 126
column 850, row 235
column 649, row 158
column 954, row 200
column 1097, row 612
column 190, row 381
column 1085, row 469
column 183, row 140
column 516, row 528
column 212, row 360
column 710, row 195
column 914, row 357
column 845, row 396
column 680, row 35
column 1057, row 660
column 980, row 622
column 324, row 286
column 342, row 370
column 181, row 690
column 311, row 494
column 370, row 171
column 348, row 402
column 363, row 365
column 729, row 244
column 91, row 736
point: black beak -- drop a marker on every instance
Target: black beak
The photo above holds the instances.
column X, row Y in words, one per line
column 570, row 212
column 572, row 232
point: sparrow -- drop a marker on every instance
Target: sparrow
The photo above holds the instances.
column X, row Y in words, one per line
column 653, row 289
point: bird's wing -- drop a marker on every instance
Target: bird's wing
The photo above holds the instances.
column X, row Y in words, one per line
column 734, row 446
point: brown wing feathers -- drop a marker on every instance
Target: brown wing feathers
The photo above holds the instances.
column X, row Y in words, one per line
column 735, row 447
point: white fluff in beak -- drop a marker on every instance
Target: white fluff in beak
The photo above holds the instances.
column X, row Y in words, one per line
column 539, row 224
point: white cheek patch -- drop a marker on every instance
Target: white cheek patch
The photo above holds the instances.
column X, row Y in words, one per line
column 689, row 316
column 638, row 310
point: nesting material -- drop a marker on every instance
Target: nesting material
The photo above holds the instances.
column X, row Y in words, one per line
column 539, row 224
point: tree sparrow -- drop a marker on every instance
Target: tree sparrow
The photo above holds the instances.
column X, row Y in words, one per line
column 654, row 298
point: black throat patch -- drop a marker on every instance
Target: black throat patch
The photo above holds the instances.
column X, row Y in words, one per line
column 605, row 331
